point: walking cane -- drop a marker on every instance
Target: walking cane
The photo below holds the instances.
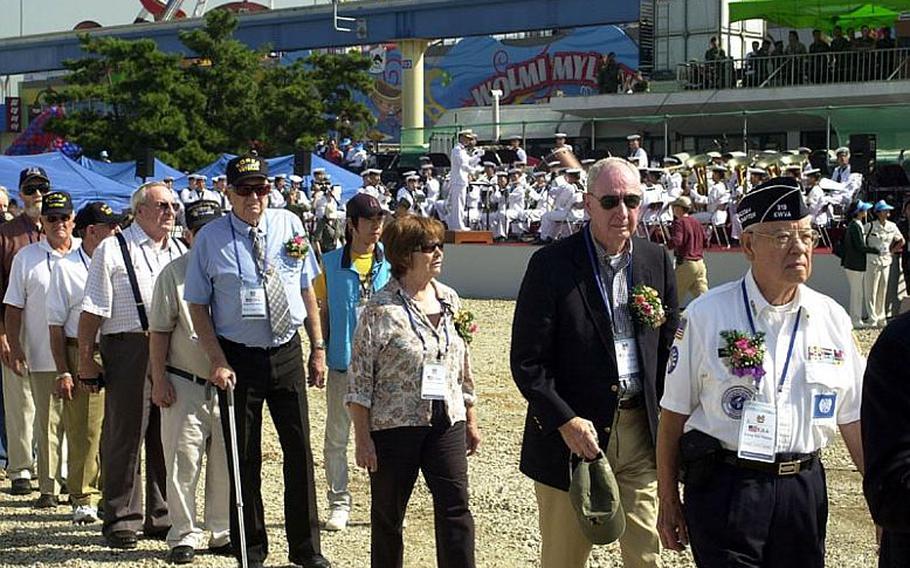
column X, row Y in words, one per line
column 238, row 492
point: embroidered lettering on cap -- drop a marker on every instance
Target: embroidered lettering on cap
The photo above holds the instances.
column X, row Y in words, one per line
column 248, row 165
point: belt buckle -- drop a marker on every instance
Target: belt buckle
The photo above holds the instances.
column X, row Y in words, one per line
column 788, row 468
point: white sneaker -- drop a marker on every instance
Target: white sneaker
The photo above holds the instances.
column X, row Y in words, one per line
column 338, row 520
column 85, row 515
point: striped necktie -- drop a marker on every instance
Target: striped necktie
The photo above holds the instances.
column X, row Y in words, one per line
column 276, row 300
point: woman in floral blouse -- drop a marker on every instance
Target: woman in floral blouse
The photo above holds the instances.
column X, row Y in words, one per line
column 411, row 398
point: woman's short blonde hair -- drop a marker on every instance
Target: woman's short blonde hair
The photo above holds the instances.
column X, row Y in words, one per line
column 406, row 234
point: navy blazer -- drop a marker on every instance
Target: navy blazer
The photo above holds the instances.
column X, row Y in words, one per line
column 563, row 358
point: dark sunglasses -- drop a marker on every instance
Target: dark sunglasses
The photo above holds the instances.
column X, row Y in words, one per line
column 35, row 188
column 430, row 248
column 631, row 200
column 51, row 219
column 260, row 190
column 165, row 206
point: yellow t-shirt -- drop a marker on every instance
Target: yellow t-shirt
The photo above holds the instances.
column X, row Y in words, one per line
column 363, row 264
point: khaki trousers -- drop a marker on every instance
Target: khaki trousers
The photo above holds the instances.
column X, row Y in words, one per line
column 19, row 415
column 82, row 419
column 48, row 431
column 335, row 448
column 631, row 455
column 691, row 278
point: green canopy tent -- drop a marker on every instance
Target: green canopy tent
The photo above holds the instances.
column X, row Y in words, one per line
column 822, row 14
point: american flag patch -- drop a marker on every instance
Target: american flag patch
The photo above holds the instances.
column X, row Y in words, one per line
column 681, row 329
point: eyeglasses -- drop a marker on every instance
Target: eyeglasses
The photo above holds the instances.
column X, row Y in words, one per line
column 785, row 239
column 607, row 202
column 51, row 219
column 35, row 188
column 166, row 206
column 430, row 248
column 261, row 190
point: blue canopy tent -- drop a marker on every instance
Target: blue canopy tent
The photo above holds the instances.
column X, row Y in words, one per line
column 125, row 172
column 348, row 181
column 67, row 175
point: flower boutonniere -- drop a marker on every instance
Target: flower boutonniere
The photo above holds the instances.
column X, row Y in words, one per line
column 744, row 353
column 647, row 307
column 464, row 325
column 297, row 247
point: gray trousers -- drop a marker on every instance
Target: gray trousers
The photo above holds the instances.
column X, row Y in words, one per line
column 131, row 421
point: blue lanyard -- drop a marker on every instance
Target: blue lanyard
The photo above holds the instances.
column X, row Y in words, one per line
column 783, row 375
column 236, row 251
column 82, row 258
column 49, row 270
column 407, row 308
column 595, row 265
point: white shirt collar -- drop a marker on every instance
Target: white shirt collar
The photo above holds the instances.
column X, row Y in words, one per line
column 758, row 304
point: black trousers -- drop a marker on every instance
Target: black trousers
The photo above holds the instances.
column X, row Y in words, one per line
column 276, row 377
column 895, row 550
column 131, row 421
column 745, row 518
column 439, row 452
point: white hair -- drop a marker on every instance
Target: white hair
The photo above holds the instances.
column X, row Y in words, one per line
column 139, row 196
column 609, row 164
column 4, row 193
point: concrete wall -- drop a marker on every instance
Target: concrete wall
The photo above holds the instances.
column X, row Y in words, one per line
column 484, row 271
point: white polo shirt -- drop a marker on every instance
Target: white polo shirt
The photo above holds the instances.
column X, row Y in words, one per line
column 29, row 280
column 67, row 287
column 823, row 385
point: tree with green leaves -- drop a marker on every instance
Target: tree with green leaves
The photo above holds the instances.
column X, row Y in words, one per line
column 126, row 95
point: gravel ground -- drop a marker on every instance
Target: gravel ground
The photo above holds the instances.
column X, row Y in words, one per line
column 502, row 499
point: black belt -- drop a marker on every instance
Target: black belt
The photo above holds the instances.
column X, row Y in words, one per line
column 633, row 402
column 188, row 376
column 786, row 464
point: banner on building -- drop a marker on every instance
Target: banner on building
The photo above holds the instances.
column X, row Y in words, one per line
column 13, row 114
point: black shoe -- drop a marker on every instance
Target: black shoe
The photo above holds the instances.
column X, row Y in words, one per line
column 21, row 487
column 315, row 561
column 223, row 550
column 124, row 539
column 47, row 501
column 157, row 534
column 181, row 555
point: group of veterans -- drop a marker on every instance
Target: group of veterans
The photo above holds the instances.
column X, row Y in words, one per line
column 131, row 339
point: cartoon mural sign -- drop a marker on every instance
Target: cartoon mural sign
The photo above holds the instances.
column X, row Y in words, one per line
column 525, row 73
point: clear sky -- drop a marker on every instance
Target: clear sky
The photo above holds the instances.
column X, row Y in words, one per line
column 43, row 16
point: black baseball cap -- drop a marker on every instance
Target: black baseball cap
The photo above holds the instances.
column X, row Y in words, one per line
column 363, row 205
column 29, row 174
column 201, row 212
column 57, row 203
column 246, row 167
column 96, row 213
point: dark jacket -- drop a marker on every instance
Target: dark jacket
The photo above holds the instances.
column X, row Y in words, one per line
column 886, row 440
column 855, row 248
column 562, row 355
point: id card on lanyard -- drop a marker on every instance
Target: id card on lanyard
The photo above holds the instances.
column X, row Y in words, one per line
column 434, row 379
column 253, row 303
column 759, row 423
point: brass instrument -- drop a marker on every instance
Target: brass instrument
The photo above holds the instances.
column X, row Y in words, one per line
column 564, row 156
column 699, row 166
column 738, row 164
column 770, row 162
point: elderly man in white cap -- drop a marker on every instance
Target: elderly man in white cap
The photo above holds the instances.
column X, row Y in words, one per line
column 636, row 152
column 464, row 158
column 841, row 173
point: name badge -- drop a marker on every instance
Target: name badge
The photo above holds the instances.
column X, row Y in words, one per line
column 758, row 432
column 626, row 357
column 433, row 385
column 252, row 302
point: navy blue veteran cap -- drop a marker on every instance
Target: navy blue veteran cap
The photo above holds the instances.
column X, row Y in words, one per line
column 201, row 212
column 778, row 199
column 246, row 167
column 29, row 174
column 57, row 203
column 96, row 213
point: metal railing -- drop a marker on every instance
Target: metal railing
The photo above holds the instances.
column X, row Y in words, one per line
column 789, row 70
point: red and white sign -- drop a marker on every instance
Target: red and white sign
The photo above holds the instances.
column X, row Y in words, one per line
column 13, row 114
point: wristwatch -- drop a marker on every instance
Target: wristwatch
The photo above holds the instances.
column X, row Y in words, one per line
column 319, row 344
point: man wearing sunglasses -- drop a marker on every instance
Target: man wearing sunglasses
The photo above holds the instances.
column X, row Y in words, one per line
column 764, row 373
column 249, row 288
column 118, row 295
column 591, row 368
column 26, row 318
column 18, row 404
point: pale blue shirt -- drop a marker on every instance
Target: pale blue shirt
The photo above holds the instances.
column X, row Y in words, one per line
column 213, row 276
